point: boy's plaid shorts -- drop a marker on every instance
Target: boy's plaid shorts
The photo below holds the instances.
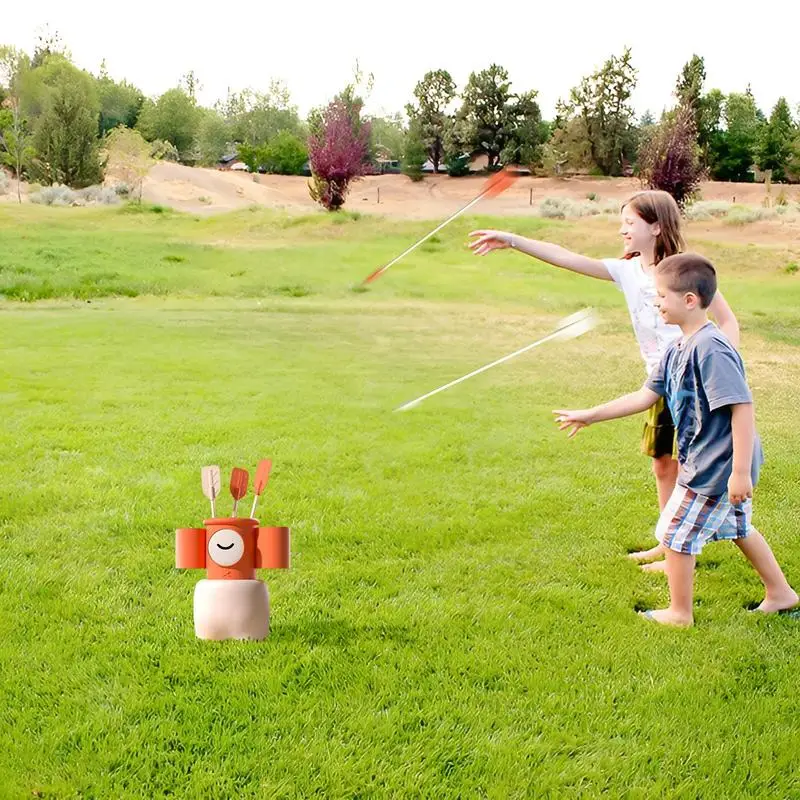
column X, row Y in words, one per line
column 690, row 520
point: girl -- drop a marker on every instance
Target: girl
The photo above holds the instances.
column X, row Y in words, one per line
column 651, row 231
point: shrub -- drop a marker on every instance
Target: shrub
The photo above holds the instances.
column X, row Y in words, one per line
column 55, row 195
column 338, row 154
column 669, row 159
column 457, row 166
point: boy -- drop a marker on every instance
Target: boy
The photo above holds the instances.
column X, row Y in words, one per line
column 702, row 378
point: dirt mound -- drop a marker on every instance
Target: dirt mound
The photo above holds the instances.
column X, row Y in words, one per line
column 212, row 191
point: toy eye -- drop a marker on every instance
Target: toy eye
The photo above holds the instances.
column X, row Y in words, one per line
column 226, row 548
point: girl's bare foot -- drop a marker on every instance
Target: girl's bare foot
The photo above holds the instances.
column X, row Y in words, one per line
column 646, row 555
column 775, row 604
column 665, row 616
column 655, row 566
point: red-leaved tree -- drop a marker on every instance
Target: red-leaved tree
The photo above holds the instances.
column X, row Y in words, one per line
column 338, row 149
column 669, row 157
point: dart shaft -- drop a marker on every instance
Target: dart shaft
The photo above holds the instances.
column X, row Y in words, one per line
column 556, row 334
column 424, row 239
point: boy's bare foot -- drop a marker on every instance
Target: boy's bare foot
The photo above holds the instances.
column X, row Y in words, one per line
column 777, row 603
column 665, row 616
column 646, row 555
column 655, row 566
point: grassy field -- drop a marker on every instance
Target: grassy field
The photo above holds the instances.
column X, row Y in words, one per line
column 459, row 617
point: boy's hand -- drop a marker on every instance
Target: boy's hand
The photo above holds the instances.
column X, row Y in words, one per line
column 740, row 487
column 575, row 420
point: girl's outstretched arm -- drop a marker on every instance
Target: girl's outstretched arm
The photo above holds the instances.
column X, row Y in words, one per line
column 485, row 241
column 725, row 318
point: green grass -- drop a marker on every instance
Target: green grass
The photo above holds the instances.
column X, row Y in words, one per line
column 459, row 617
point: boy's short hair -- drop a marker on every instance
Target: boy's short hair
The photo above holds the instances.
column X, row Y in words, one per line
column 690, row 272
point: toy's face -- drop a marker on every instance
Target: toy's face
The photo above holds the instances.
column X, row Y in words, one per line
column 226, row 547
column 231, row 551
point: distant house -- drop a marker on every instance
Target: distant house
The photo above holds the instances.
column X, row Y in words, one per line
column 478, row 162
column 427, row 167
column 387, row 166
column 231, row 161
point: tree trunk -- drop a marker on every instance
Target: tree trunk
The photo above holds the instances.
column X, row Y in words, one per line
column 19, row 173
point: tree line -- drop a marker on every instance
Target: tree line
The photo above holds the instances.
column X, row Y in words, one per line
column 56, row 120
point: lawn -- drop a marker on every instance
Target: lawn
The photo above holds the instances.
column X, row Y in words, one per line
column 459, row 618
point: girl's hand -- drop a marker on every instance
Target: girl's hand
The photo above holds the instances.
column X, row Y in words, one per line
column 486, row 241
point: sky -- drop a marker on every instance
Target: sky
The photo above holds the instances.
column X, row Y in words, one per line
column 313, row 46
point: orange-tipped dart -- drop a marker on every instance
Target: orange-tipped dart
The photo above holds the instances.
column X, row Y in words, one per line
column 239, row 481
column 497, row 183
column 260, row 482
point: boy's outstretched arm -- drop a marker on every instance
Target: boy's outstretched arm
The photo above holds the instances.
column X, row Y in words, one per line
column 743, row 427
column 623, row 406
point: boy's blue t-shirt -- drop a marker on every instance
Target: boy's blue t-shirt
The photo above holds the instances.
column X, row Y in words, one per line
column 701, row 377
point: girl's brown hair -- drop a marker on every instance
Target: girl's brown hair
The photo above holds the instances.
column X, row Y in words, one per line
column 652, row 206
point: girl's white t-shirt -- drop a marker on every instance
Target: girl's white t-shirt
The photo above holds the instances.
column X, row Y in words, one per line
column 653, row 334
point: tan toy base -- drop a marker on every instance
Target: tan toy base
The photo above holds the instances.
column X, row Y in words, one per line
column 234, row 609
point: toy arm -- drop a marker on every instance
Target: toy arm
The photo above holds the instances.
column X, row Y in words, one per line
column 272, row 548
column 190, row 548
